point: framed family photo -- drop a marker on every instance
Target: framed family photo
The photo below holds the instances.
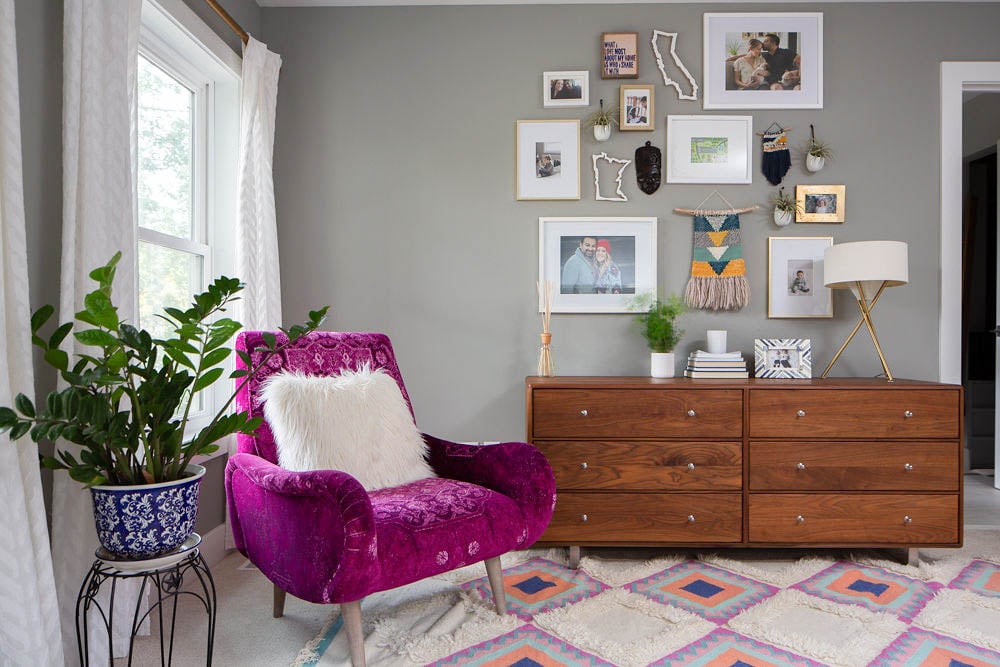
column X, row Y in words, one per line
column 635, row 106
column 782, row 358
column 547, row 159
column 597, row 264
column 566, row 89
column 771, row 60
column 820, row 203
column 795, row 277
column 620, row 55
column 709, row 149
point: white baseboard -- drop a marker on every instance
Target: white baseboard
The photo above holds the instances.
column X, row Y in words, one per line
column 213, row 545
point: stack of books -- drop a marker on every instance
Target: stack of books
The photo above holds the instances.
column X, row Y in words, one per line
column 721, row 365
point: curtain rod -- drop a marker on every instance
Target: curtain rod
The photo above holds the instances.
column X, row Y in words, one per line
column 230, row 21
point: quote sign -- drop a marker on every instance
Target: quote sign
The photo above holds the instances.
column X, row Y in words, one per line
column 620, row 55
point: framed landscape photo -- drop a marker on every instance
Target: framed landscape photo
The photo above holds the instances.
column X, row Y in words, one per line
column 795, row 277
column 771, row 60
column 782, row 358
column 635, row 106
column 620, row 55
column 548, row 159
column 820, row 203
column 566, row 89
column 597, row 264
column 709, row 149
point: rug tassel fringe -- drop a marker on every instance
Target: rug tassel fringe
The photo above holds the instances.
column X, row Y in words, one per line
column 717, row 293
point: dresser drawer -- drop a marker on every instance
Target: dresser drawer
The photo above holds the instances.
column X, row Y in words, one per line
column 854, row 413
column 854, row 466
column 854, row 519
column 636, row 413
column 646, row 518
column 645, row 466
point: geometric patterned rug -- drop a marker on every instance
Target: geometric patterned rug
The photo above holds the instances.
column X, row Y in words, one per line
column 740, row 609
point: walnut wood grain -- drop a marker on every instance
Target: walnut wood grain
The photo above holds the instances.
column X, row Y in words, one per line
column 627, row 413
column 854, row 413
column 870, row 465
column 645, row 465
column 849, row 519
column 644, row 518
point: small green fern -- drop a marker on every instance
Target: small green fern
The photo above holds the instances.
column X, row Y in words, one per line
column 656, row 320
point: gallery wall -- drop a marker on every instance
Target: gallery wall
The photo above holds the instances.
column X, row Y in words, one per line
column 394, row 178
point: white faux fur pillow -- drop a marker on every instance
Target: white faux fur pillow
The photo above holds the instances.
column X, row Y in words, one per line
column 357, row 422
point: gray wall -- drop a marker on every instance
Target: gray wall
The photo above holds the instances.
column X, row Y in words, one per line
column 395, row 191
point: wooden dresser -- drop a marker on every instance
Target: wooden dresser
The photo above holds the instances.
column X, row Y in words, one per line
column 750, row 463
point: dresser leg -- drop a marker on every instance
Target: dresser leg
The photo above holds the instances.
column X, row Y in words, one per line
column 913, row 557
column 574, row 557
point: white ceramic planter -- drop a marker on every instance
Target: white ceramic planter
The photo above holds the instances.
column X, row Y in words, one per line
column 602, row 132
column 782, row 218
column 814, row 163
column 661, row 364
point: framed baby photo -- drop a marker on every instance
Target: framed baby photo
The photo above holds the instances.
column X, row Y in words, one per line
column 782, row 358
column 566, row 89
column 597, row 264
column 769, row 60
column 820, row 203
column 635, row 106
column 548, row 159
column 795, row 277
column 620, row 55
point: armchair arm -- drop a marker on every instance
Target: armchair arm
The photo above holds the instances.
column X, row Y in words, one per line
column 516, row 469
column 312, row 533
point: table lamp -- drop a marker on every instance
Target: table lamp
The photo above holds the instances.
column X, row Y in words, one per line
column 866, row 268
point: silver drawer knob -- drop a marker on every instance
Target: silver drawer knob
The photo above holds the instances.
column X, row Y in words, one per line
column 583, row 465
column 800, row 413
column 691, row 413
column 800, row 466
column 690, row 466
column 908, row 466
column 584, row 517
column 800, row 519
column 907, row 520
column 583, row 413
column 690, row 518
column 908, row 414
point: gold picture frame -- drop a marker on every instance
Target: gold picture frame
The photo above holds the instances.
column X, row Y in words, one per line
column 820, row 203
column 795, row 286
column 635, row 106
column 547, row 159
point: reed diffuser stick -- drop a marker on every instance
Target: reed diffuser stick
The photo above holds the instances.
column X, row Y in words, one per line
column 545, row 293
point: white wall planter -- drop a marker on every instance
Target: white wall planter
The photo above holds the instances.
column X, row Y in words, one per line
column 602, row 132
column 814, row 163
column 661, row 364
column 782, row 218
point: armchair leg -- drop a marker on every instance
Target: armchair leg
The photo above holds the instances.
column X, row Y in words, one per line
column 495, row 574
column 351, row 611
column 279, row 602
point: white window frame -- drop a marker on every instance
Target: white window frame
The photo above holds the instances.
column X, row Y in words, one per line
column 175, row 39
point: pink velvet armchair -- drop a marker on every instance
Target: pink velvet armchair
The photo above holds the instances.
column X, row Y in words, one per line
column 322, row 537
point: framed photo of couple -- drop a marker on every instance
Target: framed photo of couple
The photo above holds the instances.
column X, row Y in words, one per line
column 597, row 264
column 566, row 89
column 547, row 159
column 770, row 60
column 782, row 358
column 795, row 277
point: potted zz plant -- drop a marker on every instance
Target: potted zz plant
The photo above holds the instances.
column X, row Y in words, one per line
column 785, row 208
column 601, row 121
column 656, row 321
column 126, row 404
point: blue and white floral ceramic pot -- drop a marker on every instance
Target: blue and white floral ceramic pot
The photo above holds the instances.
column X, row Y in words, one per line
column 147, row 520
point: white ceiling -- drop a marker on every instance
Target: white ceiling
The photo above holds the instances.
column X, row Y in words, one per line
column 399, row 3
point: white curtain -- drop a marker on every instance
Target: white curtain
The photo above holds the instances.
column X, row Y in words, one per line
column 257, row 228
column 29, row 614
column 100, row 54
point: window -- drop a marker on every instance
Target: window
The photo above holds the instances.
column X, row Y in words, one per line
column 187, row 125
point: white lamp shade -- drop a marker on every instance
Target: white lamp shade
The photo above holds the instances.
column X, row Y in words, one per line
column 868, row 262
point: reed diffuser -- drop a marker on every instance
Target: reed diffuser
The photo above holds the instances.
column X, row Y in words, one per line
column 545, row 366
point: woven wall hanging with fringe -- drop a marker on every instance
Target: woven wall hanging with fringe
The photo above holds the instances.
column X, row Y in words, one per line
column 776, row 158
column 718, row 273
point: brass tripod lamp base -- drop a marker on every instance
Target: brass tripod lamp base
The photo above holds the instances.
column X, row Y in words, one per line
column 866, row 268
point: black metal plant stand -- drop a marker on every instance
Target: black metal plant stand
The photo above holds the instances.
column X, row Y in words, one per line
column 167, row 581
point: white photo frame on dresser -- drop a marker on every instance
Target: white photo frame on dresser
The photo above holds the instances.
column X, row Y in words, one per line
column 782, row 358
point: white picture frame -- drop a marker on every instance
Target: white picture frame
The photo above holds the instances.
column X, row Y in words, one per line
column 559, row 141
column 632, row 241
column 789, row 294
column 800, row 32
column 577, row 94
column 709, row 149
column 782, row 358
